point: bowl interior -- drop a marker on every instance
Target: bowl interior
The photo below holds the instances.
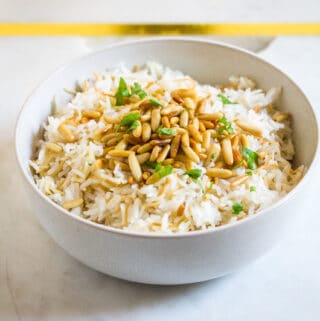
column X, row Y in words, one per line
column 205, row 61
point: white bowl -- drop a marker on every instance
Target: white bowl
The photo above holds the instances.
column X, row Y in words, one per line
column 187, row 257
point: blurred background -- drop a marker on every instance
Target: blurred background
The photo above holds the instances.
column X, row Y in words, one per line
column 38, row 280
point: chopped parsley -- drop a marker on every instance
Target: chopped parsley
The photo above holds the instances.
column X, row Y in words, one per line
column 166, row 131
column 225, row 126
column 249, row 173
column 213, row 156
column 237, row 208
column 250, row 157
column 252, row 189
column 130, row 121
column 155, row 102
column 225, row 100
column 151, row 164
column 163, row 171
column 122, row 92
column 194, row 173
column 137, row 90
column 211, row 185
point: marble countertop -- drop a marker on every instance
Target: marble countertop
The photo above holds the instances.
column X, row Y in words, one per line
column 39, row 281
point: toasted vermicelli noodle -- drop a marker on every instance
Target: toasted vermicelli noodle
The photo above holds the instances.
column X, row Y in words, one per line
column 152, row 150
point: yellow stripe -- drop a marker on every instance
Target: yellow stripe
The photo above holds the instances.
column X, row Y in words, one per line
column 237, row 29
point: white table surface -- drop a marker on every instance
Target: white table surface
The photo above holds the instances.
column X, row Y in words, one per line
column 39, row 281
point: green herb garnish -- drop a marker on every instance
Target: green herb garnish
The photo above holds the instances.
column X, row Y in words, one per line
column 163, row 171
column 137, row 90
column 166, row 131
column 155, row 102
column 213, row 156
column 133, row 126
column 251, row 157
column 226, row 126
column 237, row 208
column 249, row 173
column 131, row 121
column 152, row 164
column 193, row 173
column 225, row 100
column 211, row 185
column 122, row 92
column 252, row 189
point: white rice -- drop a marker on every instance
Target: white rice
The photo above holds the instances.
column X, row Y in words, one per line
column 151, row 208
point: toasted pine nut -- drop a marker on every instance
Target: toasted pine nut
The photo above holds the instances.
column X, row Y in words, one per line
column 155, row 153
column 155, row 119
column 189, row 164
column 111, row 120
column 135, row 167
column 195, row 123
column 214, row 151
column 219, row 172
column 66, row 133
column 180, row 210
column 84, row 120
column 153, row 179
column 134, row 148
column 202, row 127
column 280, row 117
column 142, row 158
column 137, row 131
column 123, row 166
column 194, row 133
column 189, row 103
column 144, row 148
column 122, row 145
column 113, row 141
column 146, row 117
column 184, row 119
column 219, row 164
column 227, row 151
column 191, row 154
column 206, row 139
column 239, row 180
column 53, row 147
column 165, row 121
column 132, row 140
column 185, row 139
column 244, row 140
column 208, row 124
column 72, row 204
column 180, row 131
column 145, row 175
column 146, row 132
column 235, row 141
column 195, row 146
column 212, row 116
column 163, row 154
column 191, row 114
column 178, row 164
column 168, row 161
column 160, row 142
column 183, row 93
column 172, row 109
column 237, row 155
column 107, row 137
column 130, row 180
column 175, row 146
column 91, row 113
column 250, row 128
column 119, row 153
column 98, row 164
column 174, row 120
